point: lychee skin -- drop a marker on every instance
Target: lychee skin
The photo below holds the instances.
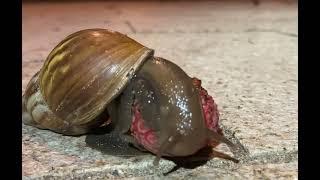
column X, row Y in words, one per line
column 210, row 111
column 141, row 132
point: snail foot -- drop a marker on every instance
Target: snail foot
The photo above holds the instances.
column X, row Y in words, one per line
column 112, row 144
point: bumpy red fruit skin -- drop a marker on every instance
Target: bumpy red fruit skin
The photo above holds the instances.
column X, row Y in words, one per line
column 143, row 134
column 209, row 107
column 210, row 110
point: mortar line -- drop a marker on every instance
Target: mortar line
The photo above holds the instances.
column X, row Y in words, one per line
column 131, row 27
column 215, row 32
column 257, row 159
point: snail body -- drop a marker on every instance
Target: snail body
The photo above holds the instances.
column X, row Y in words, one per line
column 152, row 102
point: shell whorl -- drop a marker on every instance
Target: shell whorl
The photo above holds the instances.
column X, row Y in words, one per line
column 81, row 75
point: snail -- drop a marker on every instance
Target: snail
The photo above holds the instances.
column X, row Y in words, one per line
column 98, row 77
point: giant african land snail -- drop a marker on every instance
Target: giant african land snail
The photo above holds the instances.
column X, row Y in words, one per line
column 96, row 73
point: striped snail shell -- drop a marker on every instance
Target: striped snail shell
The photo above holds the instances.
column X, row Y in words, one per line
column 151, row 99
column 81, row 75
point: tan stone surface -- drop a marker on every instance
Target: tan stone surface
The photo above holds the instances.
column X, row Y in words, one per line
column 245, row 55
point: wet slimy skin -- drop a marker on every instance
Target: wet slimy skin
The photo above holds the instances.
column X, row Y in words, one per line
column 167, row 112
column 162, row 111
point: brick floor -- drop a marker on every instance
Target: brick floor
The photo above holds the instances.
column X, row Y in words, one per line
column 246, row 56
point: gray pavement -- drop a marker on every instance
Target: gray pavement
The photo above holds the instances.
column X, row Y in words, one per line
column 245, row 55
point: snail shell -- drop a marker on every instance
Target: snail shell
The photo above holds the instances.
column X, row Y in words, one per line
column 85, row 74
column 81, row 75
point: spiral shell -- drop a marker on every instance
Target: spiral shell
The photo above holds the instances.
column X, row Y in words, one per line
column 80, row 77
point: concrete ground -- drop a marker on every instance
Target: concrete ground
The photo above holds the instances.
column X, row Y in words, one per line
column 246, row 56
